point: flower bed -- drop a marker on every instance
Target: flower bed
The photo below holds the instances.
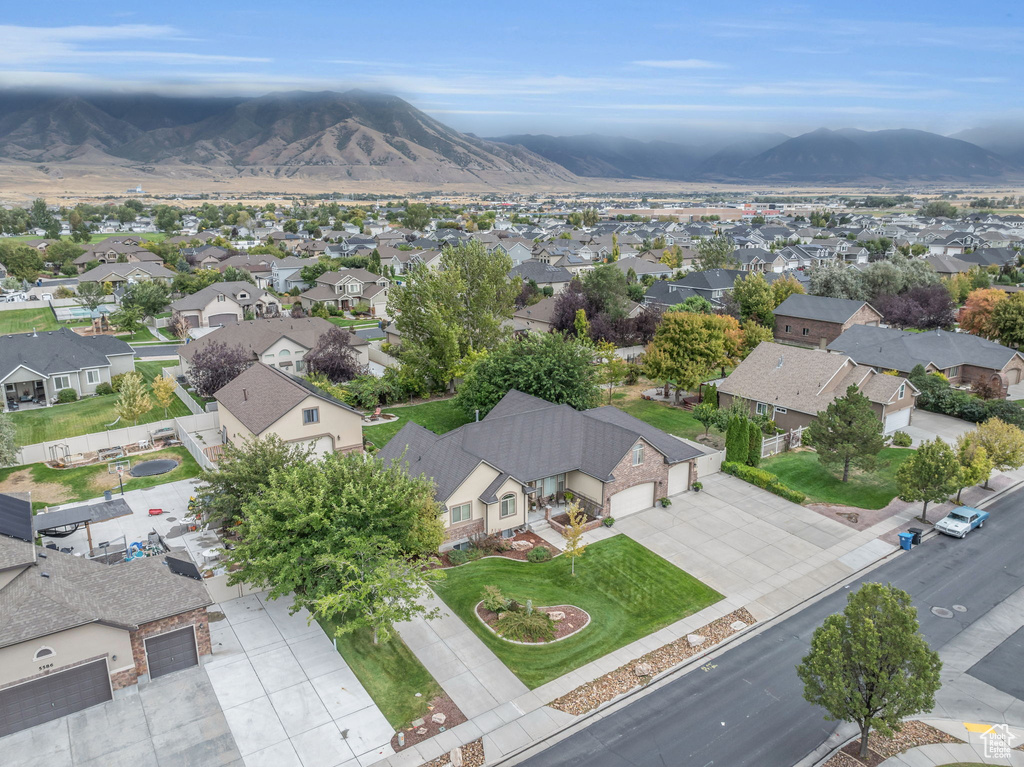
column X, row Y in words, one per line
column 575, row 620
column 519, row 553
column 426, row 728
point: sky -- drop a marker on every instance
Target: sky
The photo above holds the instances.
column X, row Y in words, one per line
column 668, row 70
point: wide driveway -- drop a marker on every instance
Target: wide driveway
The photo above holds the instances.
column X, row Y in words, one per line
column 288, row 696
column 926, row 426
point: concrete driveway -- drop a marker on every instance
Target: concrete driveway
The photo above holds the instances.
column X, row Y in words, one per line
column 926, row 426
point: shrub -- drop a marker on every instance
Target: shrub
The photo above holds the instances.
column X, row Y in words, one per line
column 665, row 502
column 104, row 388
column 539, row 554
column 754, row 441
column 494, row 600
column 458, row 557
column 608, row 521
column 115, row 381
column 698, row 486
column 901, row 439
column 763, row 479
column 490, row 544
column 525, row 626
column 67, row 395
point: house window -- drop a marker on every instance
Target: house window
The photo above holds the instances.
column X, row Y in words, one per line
column 243, row 295
column 762, row 408
column 300, row 366
column 508, row 505
column 903, row 390
column 311, row 415
column 92, row 377
column 780, row 410
column 220, row 296
column 953, row 372
column 462, row 513
column 789, row 328
column 638, row 454
column 807, row 331
column 44, row 652
column 62, row 382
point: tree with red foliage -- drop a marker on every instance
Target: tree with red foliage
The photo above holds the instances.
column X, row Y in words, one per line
column 332, row 356
column 925, row 307
column 216, row 365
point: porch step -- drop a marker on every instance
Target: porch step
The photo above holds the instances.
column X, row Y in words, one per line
column 540, row 526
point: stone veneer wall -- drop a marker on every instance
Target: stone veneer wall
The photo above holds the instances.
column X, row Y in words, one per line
column 197, row 618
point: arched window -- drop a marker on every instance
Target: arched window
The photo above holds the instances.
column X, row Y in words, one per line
column 44, row 652
column 508, row 505
column 638, row 453
column 284, row 353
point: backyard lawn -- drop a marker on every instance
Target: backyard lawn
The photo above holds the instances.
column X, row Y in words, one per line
column 674, row 420
column 390, row 673
column 54, row 486
column 23, row 320
column 628, row 590
column 440, row 416
column 88, row 415
column 865, row 490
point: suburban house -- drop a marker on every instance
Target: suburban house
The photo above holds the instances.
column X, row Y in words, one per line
column 34, row 367
column 280, row 342
column 265, row 400
column 127, row 273
column 530, row 451
column 642, row 267
column 555, row 277
column 791, row 385
column 820, row 320
column 284, row 273
column 224, row 303
column 961, row 357
column 77, row 632
column 347, row 288
column 712, row 284
column 110, row 252
column 536, row 317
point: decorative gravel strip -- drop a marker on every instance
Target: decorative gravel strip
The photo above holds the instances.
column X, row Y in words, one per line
column 472, row 756
column 576, row 619
column 911, row 735
column 428, row 726
column 639, row 672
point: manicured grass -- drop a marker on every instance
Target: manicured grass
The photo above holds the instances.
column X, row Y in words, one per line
column 23, row 320
column 87, row 482
column 142, row 336
column 88, row 415
column 865, row 490
column 674, row 420
column 628, row 590
column 439, row 417
column 342, row 322
column 390, row 673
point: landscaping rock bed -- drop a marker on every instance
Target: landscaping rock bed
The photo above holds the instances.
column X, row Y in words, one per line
column 444, row 709
column 573, row 621
column 640, row 671
column 472, row 756
column 527, row 541
column 911, row 735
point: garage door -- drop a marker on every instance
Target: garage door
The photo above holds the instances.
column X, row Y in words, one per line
column 54, row 696
column 1013, row 376
column 173, row 651
column 678, row 477
column 636, row 498
column 192, row 320
column 223, row 319
column 897, row 420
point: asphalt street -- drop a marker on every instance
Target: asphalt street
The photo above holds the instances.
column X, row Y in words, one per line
column 746, row 707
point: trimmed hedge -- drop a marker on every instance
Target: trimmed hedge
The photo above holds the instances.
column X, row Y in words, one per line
column 764, row 480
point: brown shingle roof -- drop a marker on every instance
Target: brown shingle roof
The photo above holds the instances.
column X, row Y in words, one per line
column 259, row 335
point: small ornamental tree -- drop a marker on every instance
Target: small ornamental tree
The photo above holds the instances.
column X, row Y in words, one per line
column 612, row 370
column 931, row 474
column 573, row 534
column 216, row 365
column 847, row 434
column 332, row 356
column 91, row 295
column 8, row 451
column 704, row 414
column 869, row 665
column 178, row 326
column 133, row 400
column 163, row 391
column 975, row 465
column 127, row 319
column 1003, row 442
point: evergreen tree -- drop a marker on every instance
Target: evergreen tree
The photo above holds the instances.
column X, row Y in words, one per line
column 737, row 441
column 847, row 434
column 754, row 440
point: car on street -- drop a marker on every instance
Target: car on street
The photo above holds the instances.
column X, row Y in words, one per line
column 961, row 521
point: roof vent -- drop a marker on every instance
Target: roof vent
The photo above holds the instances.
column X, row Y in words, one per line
column 45, row 575
column 245, row 394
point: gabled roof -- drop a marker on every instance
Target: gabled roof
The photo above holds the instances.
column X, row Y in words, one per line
column 57, row 351
column 259, row 335
column 540, row 273
column 104, row 272
column 901, row 350
column 202, row 298
column 821, row 308
column 261, row 395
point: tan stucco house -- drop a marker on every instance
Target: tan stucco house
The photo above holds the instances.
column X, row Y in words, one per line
column 345, row 289
column 264, row 401
column 225, row 303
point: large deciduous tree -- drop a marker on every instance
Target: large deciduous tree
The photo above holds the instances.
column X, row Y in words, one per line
column 977, row 313
column 1008, row 320
column 847, row 434
column 216, row 365
column 133, row 400
column 754, row 298
column 714, row 253
column 150, row 297
column 687, row 348
column 929, row 475
column 1003, row 442
column 974, row 464
column 924, row 307
column 869, row 665
column 333, row 356
column 547, row 365
column 90, row 295
column 784, row 288
column 836, row 281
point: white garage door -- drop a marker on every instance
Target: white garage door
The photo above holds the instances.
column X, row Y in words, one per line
column 678, row 478
column 897, row 420
column 636, row 498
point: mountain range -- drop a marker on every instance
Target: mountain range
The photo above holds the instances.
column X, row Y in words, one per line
column 365, row 136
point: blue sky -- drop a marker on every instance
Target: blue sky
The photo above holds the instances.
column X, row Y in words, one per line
column 645, row 69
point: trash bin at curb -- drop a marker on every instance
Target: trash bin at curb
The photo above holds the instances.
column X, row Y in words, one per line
column 106, row 495
column 906, row 541
column 917, row 532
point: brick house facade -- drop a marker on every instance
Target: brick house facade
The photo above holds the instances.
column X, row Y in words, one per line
column 820, row 333
column 653, row 469
column 198, row 619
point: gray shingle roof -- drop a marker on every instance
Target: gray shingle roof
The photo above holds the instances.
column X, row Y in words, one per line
column 821, row 308
column 57, row 351
column 540, row 273
column 259, row 335
column 202, row 298
column 902, row 350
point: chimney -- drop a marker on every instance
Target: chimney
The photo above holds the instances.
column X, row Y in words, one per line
column 245, row 394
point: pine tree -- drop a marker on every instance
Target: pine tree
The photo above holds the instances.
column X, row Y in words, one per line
column 847, row 433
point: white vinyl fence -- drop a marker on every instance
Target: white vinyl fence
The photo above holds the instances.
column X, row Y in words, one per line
column 780, row 443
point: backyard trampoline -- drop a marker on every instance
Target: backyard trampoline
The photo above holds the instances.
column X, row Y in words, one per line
column 152, row 468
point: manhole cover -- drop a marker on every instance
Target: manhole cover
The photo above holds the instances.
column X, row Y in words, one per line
column 942, row 612
column 960, row 608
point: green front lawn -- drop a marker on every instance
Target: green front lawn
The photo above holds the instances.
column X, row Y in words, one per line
column 865, row 490
column 55, row 486
column 440, row 417
column 342, row 322
column 88, row 415
column 673, row 420
column 628, row 590
column 24, row 320
column 390, row 673
column 143, row 335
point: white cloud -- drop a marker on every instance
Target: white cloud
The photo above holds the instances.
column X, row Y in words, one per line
column 679, row 64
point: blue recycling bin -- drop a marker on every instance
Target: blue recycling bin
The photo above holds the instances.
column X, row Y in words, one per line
column 906, row 541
